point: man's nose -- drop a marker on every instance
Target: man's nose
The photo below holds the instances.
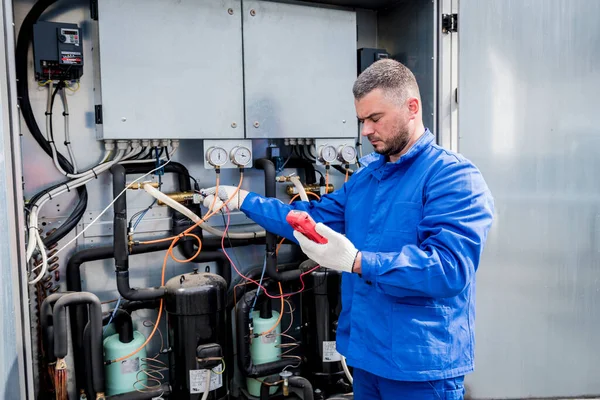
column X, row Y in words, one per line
column 367, row 128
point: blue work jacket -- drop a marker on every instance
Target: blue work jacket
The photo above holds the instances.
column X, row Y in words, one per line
column 421, row 224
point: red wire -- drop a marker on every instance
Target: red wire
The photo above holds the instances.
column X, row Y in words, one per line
column 252, row 280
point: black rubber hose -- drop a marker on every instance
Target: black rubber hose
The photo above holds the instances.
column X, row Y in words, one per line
column 243, row 343
column 121, row 245
column 61, row 344
column 265, row 389
column 163, row 391
column 271, row 256
column 302, row 383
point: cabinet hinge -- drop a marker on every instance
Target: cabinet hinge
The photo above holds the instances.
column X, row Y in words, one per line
column 449, row 23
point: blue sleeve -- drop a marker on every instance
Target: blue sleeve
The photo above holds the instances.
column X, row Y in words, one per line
column 270, row 213
column 457, row 215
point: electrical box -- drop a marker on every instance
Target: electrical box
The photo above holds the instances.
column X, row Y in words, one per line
column 299, row 66
column 366, row 57
column 57, row 51
column 169, row 69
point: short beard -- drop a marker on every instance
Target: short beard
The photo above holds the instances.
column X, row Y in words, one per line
column 396, row 144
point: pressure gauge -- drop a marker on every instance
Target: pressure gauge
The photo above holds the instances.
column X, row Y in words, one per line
column 241, row 156
column 216, row 156
column 346, row 154
column 327, row 154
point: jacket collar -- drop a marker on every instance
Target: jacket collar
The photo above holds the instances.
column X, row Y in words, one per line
column 375, row 161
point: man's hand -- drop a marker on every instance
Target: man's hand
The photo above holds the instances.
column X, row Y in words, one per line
column 338, row 253
column 225, row 193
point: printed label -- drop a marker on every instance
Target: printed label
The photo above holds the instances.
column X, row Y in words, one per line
column 198, row 379
column 130, row 365
column 269, row 338
column 330, row 353
column 71, row 57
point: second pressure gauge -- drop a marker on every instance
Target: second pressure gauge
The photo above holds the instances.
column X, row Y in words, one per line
column 216, row 156
column 327, row 154
column 241, row 156
column 346, row 154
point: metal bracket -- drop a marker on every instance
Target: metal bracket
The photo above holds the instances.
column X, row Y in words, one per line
column 449, row 23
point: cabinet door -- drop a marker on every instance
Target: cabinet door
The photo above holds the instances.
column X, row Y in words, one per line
column 528, row 117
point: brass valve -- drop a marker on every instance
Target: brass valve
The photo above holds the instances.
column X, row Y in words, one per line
column 183, row 197
column 140, row 185
column 315, row 188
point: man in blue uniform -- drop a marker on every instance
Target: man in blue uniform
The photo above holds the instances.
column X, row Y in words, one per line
column 407, row 231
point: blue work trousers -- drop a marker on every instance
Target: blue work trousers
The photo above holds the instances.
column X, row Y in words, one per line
column 371, row 387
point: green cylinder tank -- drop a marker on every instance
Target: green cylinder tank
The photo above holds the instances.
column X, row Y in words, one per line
column 264, row 349
column 121, row 376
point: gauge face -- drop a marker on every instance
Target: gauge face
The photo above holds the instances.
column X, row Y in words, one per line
column 216, row 156
column 328, row 154
column 241, row 156
column 347, row 154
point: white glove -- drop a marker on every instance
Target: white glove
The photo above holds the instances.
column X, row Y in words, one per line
column 225, row 192
column 338, row 253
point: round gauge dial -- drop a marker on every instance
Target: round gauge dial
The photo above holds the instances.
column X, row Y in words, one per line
column 216, row 156
column 241, row 156
column 347, row 154
column 327, row 154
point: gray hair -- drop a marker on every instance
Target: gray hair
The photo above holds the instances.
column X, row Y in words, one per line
column 389, row 75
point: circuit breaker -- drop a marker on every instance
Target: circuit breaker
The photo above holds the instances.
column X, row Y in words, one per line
column 57, row 51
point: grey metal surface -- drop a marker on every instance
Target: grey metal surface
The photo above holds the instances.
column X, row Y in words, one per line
column 528, row 84
column 407, row 32
column 16, row 378
column 447, row 80
column 163, row 74
column 300, row 64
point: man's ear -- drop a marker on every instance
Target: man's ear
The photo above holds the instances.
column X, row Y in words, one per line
column 414, row 106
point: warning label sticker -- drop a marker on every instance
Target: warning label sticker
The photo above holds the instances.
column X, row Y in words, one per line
column 198, row 379
column 70, row 57
column 330, row 353
column 130, row 365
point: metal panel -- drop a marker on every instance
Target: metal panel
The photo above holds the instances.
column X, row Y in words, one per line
column 163, row 73
column 300, row 65
column 447, row 113
column 528, row 84
column 408, row 33
column 16, row 372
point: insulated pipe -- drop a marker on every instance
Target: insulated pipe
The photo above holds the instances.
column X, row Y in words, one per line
column 209, row 256
column 164, row 391
column 243, row 343
column 61, row 344
column 302, row 383
column 123, row 326
column 121, row 250
column 270, row 191
column 47, row 324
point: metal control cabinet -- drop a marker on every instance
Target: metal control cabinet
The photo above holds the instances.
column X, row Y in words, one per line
column 169, row 69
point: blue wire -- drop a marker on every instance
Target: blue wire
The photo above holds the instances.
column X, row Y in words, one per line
column 262, row 275
column 112, row 315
